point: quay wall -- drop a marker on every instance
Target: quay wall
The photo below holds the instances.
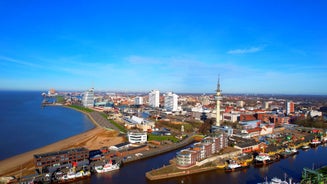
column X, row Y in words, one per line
column 177, row 174
column 151, row 153
column 191, row 170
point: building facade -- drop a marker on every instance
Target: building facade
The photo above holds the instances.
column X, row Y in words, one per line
column 171, row 102
column 58, row 158
column 186, row 158
column 154, row 98
column 201, row 150
column 88, row 98
column 289, row 107
column 137, row 137
column 138, row 100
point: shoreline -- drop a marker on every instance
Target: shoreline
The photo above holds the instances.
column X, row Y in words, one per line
column 94, row 138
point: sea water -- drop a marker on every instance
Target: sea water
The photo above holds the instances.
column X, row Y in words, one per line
column 26, row 125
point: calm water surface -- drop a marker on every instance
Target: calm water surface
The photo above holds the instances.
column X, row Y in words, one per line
column 25, row 125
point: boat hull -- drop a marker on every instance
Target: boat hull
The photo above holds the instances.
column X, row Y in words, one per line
column 227, row 169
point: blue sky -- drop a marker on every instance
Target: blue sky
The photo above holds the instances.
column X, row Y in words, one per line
column 271, row 46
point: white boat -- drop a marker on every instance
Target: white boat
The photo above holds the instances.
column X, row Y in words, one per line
column 276, row 180
column 72, row 175
column 294, row 150
column 315, row 142
column 306, row 147
column 82, row 174
column 233, row 166
column 262, row 157
column 107, row 167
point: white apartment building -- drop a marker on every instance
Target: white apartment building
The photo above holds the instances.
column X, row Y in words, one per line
column 154, row 98
column 137, row 137
column 171, row 102
column 314, row 113
column 88, row 98
column 138, row 100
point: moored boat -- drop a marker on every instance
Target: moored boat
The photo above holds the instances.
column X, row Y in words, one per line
column 289, row 152
column 234, row 166
column 306, row 147
column 276, row 180
column 262, row 159
column 72, row 175
column 315, row 142
column 106, row 167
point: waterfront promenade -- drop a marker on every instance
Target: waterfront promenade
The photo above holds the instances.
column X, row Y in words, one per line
column 99, row 120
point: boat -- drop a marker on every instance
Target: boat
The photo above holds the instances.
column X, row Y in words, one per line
column 323, row 139
column 234, row 166
column 106, row 167
column 289, row 152
column 262, row 159
column 276, row 180
column 306, row 147
column 71, row 175
column 315, row 142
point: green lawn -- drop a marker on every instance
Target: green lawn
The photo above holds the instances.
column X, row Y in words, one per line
column 162, row 138
column 81, row 108
column 120, row 127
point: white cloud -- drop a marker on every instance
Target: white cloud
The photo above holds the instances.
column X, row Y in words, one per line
column 24, row 63
column 245, row 51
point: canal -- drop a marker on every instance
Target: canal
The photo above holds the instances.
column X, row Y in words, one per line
column 292, row 167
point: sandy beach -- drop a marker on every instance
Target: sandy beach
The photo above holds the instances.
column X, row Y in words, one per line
column 96, row 138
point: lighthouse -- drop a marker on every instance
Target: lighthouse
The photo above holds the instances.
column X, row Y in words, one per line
column 218, row 98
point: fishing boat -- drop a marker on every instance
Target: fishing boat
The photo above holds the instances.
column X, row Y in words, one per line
column 106, row 167
column 315, row 142
column 262, row 159
column 72, row 175
column 276, row 180
column 289, row 152
column 305, row 147
column 234, row 166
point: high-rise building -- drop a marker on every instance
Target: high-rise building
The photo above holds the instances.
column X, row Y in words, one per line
column 240, row 103
column 266, row 104
column 218, row 98
column 289, row 107
column 138, row 100
column 154, row 98
column 88, row 98
column 171, row 101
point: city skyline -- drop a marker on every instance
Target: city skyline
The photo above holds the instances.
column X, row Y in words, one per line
column 263, row 47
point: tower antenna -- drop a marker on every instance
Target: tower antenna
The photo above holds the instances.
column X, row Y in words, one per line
column 218, row 99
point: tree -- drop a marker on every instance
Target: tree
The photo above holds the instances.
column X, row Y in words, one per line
column 205, row 128
column 203, row 117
